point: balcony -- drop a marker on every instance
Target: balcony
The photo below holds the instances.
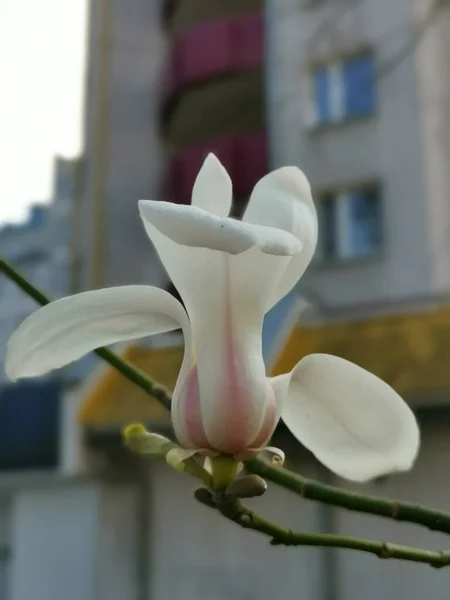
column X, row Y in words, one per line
column 179, row 15
column 245, row 158
column 233, row 106
column 214, row 50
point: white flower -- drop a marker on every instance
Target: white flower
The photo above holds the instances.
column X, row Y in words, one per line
column 229, row 274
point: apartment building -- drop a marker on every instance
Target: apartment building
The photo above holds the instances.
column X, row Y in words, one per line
column 358, row 98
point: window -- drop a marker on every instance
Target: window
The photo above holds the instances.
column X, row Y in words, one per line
column 350, row 224
column 344, row 90
column 358, row 86
column 29, row 425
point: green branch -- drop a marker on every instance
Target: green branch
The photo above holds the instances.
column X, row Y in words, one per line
column 435, row 520
column 132, row 373
column 307, row 488
column 233, row 510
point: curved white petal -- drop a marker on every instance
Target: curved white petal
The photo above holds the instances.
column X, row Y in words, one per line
column 351, row 420
column 222, row 399
column 64, row 330
column 282, row 199
column 213, row 190
column 273, row 455
column 194, row 227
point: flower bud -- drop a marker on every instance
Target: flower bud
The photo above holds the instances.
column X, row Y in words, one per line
column 140, row 441
column 248, row 486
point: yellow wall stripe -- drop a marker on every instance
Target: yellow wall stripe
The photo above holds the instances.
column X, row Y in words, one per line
column 115, row 401
column 410, row 351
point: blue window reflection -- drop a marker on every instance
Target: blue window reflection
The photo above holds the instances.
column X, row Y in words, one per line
column 365, row 222
column 345, row 89
column 322, row 90
column 359, row 86
column 328, row 227
column 29, row 425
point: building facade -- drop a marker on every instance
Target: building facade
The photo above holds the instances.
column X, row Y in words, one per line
column 358, row 98
column 357, row 101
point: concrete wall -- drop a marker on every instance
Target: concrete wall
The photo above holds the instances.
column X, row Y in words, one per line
column 119, row 530
column 433, row 56
column 362, row 575
column 123, row 158
column 386, row 147
column 76, row 540
column 54, row 533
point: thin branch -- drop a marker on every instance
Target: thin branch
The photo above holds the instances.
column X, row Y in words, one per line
column 233, row 510
column 127, row 369
column 313, row 490
column 307, row 488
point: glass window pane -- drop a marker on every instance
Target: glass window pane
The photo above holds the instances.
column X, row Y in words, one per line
column 29, row 425
column 322, row 94
column 365, row 222
column 327, row 228
column 359, row 86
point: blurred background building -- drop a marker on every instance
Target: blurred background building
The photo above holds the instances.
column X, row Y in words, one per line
column 355, row 92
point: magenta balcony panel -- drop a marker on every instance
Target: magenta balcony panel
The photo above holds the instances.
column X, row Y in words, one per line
column 245, row 158
column 215, row 49
column 249, row 40
column 203, row 52
column 251, row 163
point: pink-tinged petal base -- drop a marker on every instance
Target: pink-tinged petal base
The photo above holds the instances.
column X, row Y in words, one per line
column 190, row 413
column 234, row 417
column 242, row 420
column 269, row 422
column 235, row 406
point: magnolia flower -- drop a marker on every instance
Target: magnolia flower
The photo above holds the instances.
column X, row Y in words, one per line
column 229, row 273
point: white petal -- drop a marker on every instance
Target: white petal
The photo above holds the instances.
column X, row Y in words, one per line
column 196, row 228
column 64, row 330
column 282, row 199
column 226, row 298
column 351, row 420
column 213, row 190
column 274, row 455
column 177, row 456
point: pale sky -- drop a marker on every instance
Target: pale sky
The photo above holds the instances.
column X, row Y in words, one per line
column 42, row 54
